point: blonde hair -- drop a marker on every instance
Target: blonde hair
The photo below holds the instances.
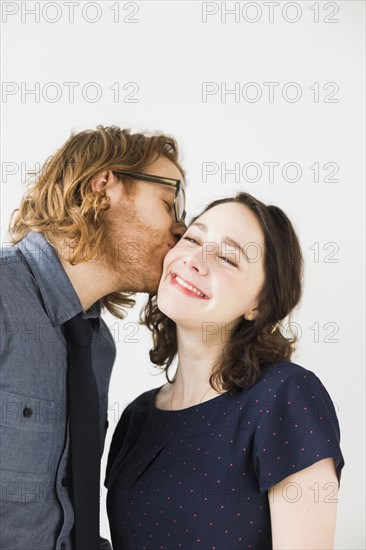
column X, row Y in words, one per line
column 61, row 202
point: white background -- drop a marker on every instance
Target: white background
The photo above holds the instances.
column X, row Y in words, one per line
column 168, row 53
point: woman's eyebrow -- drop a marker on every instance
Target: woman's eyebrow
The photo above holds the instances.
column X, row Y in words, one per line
column 200, row 226
column 226, row 240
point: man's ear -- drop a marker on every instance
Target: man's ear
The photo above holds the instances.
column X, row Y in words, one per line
column 100, row 182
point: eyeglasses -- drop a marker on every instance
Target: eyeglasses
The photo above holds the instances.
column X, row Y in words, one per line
column 180, row 196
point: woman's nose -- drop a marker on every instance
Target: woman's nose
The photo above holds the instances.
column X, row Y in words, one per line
column 195, row 260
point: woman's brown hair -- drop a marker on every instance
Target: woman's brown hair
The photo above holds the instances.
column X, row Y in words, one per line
column 251, row 344
column 61, row 202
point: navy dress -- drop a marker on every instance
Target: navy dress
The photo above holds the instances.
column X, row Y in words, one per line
column 197, row 478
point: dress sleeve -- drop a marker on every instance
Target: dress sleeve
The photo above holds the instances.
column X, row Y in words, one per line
column 296, row 426
column 118, row 439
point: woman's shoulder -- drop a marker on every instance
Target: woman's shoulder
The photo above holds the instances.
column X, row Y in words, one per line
column 142, row 401
column 131, row 421
column 282, row 370
column 285, row 374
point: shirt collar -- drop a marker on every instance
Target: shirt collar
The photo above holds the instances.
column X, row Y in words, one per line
column 58, row 294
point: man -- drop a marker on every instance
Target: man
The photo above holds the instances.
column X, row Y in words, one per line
column 92, row 231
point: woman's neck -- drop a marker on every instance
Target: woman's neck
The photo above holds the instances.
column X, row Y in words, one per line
column 196, row 358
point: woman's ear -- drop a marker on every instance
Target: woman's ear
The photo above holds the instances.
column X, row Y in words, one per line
column 251, row 314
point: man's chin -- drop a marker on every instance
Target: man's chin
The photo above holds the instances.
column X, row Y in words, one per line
column 148, row 287
column 151, row 288
column 152, row 284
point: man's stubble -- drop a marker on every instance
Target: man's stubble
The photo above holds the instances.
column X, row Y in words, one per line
column 133, row 251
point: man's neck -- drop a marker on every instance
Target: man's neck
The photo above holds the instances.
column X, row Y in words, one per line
column 91, row 282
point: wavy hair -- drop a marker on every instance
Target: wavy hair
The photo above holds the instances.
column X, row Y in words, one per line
column 61, row 202
column 251, row 344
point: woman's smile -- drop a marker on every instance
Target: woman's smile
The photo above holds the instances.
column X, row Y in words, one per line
column 185, row 287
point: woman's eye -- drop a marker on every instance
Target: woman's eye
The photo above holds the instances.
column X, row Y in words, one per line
column 190, row 239
column 226, row 260
column 169, row 205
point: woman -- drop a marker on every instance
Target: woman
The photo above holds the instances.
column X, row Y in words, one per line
column 241, row 449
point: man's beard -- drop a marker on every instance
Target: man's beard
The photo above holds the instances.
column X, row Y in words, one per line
column 132, row 252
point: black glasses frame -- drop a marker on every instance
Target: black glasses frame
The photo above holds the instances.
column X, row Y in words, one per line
column 164, row 181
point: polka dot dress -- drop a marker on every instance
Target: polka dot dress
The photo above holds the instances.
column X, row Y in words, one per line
column 198, row 478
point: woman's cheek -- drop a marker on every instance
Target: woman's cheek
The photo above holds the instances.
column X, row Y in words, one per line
column 169, row 257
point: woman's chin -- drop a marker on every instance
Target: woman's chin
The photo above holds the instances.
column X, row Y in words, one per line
column 165, row 305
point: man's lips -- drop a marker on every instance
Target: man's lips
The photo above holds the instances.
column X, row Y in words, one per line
column 177, row 279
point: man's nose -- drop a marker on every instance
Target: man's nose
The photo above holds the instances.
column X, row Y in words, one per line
column 179, row 229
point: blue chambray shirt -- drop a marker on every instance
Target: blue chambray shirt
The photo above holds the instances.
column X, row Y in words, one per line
column 36, row 298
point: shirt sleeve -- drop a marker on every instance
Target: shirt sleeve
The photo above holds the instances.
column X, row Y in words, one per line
column 296, row 427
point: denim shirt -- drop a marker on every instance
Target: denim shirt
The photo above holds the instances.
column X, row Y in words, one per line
column 36, row 298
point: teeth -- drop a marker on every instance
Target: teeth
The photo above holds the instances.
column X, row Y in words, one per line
column 190, row 287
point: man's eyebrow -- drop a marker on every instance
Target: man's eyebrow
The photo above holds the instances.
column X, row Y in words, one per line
column 226, row 240
column 167, row 188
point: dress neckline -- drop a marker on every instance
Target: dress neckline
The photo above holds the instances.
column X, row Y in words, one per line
column 156, row 409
